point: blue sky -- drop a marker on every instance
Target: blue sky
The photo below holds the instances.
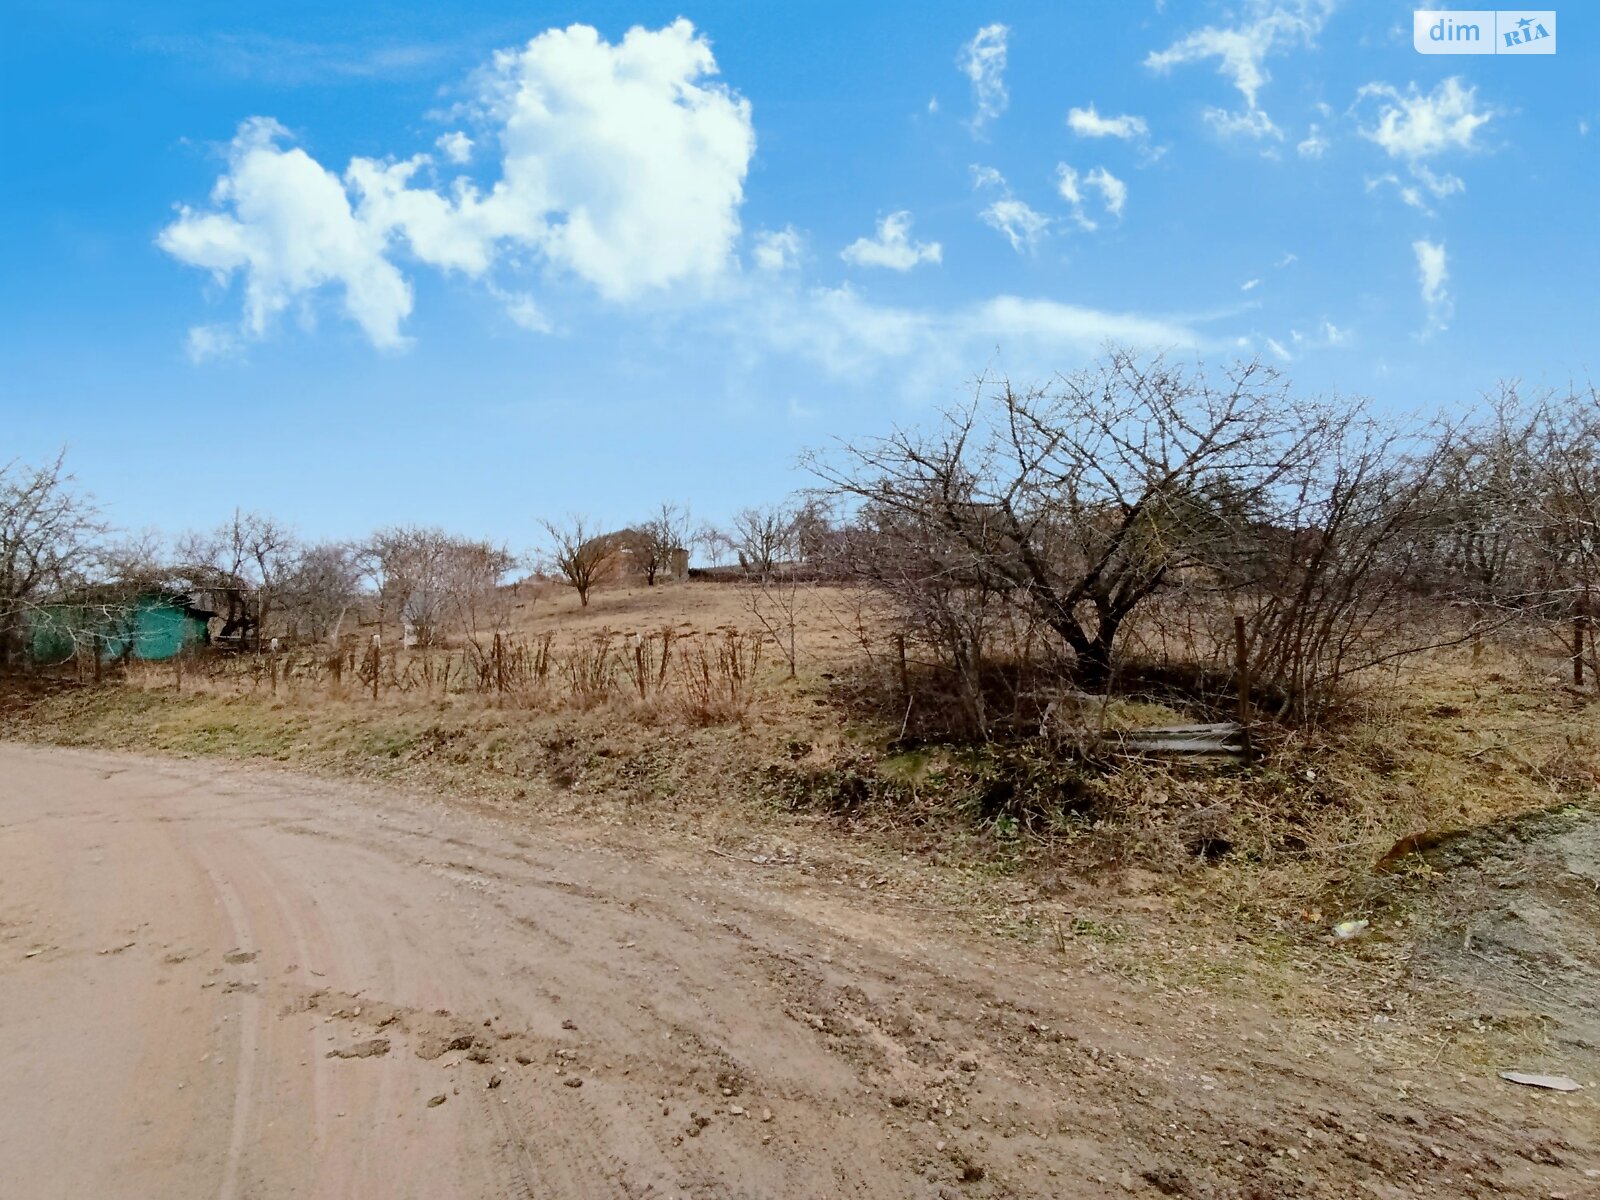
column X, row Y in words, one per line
column 478, row 263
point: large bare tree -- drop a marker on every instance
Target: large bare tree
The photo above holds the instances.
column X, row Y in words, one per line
column 1083, row 499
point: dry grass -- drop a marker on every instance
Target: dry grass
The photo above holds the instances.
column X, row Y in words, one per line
column 669, row 698
column 830, row 619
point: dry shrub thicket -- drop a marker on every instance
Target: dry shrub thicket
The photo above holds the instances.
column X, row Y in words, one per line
column 1102, row 534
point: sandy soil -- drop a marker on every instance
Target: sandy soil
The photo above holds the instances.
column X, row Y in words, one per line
column 217, row 983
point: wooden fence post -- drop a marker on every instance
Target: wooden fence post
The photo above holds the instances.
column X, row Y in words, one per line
column 1241, row 647
column 905, row 675
column 377, row 662
column 1577, row 651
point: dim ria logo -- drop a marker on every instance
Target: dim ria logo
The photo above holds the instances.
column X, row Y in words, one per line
column 1484, row 31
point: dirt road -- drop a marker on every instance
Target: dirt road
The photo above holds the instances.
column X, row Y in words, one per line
column 224, row 984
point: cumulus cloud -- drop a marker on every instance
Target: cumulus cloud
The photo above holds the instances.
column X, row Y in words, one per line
column 983, row 62
column 1021, row 225
column 892, row 246
column 1433, row 274
column 621, row 165
column 1086, row 122
column 778, row 249
column 287, row 225
column 1241, row 51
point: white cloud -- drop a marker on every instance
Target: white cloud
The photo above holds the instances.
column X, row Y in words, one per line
column 287, row 225
column 1241, row 52
column 1287, row 260
column 622, row 165
column 1071, row 185
column 1277, row 348
column 778, row 250
column 1251, row 123
column 1438, row 186
column 206, row 342
column 1021, row 225
column 525, row 312
column 1433, row 274
column 455, row 145
column 1113, row 192
column 1314, row 145
column 1067, row 180
column 848, row 335
column 1249, row 285
column 1416, row 125
column 983, row 62
column 892, row 247
column 1086, row 122
column 1327, row 335
column 987, row 177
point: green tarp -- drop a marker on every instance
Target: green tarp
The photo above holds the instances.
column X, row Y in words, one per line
column 151, row 627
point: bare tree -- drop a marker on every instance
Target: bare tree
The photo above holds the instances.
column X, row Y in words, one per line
column 666, row 535
column 474, row 583
column 322, row 587
column 1082, row 501
column 49, row 535
column 248, row 560
column 1345, row 564
column 774, row 601
column 579, row 553
column 762, row 538
column 427, row 578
